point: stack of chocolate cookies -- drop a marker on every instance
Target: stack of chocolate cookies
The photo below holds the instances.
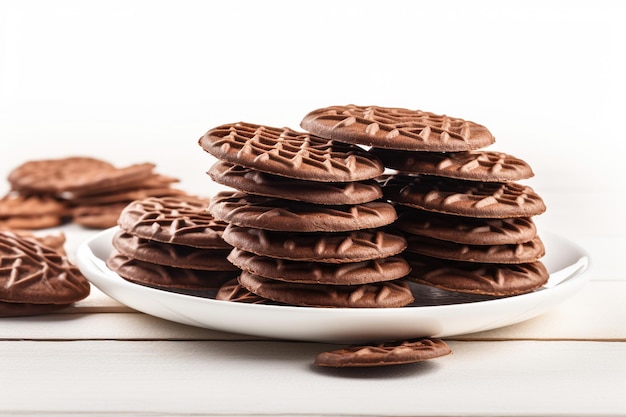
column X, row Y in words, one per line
column 467, row 219
column 172, row 243
column 306, row 222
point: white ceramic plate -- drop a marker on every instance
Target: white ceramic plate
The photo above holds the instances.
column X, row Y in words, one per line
column 439, row 313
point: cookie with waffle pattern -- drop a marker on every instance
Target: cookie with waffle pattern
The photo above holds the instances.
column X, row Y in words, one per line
column 289, row 153
column 396, row 128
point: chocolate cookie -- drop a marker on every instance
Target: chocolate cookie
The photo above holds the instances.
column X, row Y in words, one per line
column 288, row 153
column 316, row 247
column 477, row 278
column 182, row 220
column 169, row 254
column 487, row 166
column 506, row 254
column 463, row 198
column 383, row 354
column 167, row 277
column 277, row 214
column 22, row 211
column 260, row 183
column 376, row 295
column 467, row 230
column 353, row 273
column 396, row 128
column 232, row 290
column 34, row 273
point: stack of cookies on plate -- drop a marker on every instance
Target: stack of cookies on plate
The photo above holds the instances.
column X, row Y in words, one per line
column 86, row 190
column 467, row 220
column 171, row 243
column 306, row 222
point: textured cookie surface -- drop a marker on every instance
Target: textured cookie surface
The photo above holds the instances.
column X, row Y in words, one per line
column 285, row 152
column 383, row 354
column 260, row 183
column 182, row 220
column 464, row 198
column 232, row 290
column 376, row 270
column 477, row 278
column 316, row 247
column 169, row 254
column 31, row 272
column 469, row 230
column 471, row 165
column 396, row 128
column 377, row 295
column 270, row 213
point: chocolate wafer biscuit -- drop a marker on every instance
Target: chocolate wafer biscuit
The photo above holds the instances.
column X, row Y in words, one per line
column 488, row 166
column 289, row 153
column 376, row 295
column 343, row 247
column 517, row 253
column 327, row 193
column 232, row 290
column 353, row 273
column 477, row 278
column 467, row 230
column 169, row 254
column 463, row 198
column 383, row 354
column 182, row 220
column 276, row 214
column 396, row 128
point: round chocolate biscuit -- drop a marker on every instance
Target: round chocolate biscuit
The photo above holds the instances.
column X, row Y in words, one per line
column 353, row 273
column 489, row 166
column 463, row 198
column 277, row 214
column 99, row 216
column 106, row 180
column 33, row 273
column 285, row 152
column 342, row 247
column 384, row 354
column 396, row 128
column 30, row 205
column 505, row 254
column 477, row 278
column 167, row 277
column 28, row 309
column 232, row 290
column 169, row 254
column 387, row 294
column 181, row 219
column 468, row 230
column 260, row 183
column 54, row 176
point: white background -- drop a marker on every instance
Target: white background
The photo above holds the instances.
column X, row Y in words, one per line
column 136, row 81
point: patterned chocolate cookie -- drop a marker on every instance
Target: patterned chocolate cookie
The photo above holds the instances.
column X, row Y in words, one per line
column 353, row 273
column 487, row 166
column 316, row 247
column 376, row 295
column 21, row 211
column 168, row 254
column 464, row 198
column 383, row 354
column 396, row 128
column 54, row 176
column 101, row 181
column 101, row 216
column 288, row 153
column 33, row 273
column 477, row 278
column 506, row 254
column 167, row 277
column 468, row 230
column 233, row 291
column 276, row 214
column 260, row 183
column 182, row 220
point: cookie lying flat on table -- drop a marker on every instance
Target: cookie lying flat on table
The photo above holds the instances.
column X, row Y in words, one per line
column 285, row 152
column 36, row 277
column 396, row 128
column 277, row 214
column 20, row 211
column 327, row 193
column 384, row 354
